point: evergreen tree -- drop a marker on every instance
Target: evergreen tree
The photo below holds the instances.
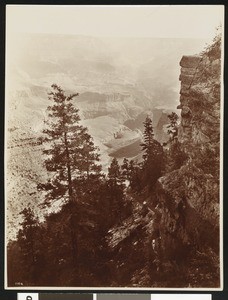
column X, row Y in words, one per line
column 72, row 159
column 28, row 241
column 89, row 169
column 173, row 126
column 88, row 157
column 148, row 138
column 16, row 270
column 135, row 176
column 115, row 178
column 115, row 189
column 125, row 169
column 176, row 156
column 71, row 154
column 63, row 140
column 153, row 156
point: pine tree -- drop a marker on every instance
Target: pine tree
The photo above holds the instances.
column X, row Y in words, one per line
column 28, row 243
column 173, row 126
column 153, row 156
column 89, row 169
column 88, row 157
column 63, row 141
column 72, row 160
column 125, row 169
column 134, row 176
column 115, row 189
column 71, row 154
column 114, row 174
column 26, row 235
column 175, row 155
column 148, row 137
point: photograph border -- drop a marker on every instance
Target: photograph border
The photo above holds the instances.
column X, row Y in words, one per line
column 223, row 145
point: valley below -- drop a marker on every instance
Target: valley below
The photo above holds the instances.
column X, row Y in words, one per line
column 113, row 147
column 120, row 82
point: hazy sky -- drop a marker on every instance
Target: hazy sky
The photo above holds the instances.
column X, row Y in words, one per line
column 186, row 21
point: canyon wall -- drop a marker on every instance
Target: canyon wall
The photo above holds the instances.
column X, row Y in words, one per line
column 188, row 197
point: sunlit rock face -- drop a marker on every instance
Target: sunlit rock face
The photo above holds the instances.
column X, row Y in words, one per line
column 199, row 99
column 188, row 198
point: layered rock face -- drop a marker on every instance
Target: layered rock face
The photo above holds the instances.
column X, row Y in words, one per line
column 188, row 198
column 199, row 99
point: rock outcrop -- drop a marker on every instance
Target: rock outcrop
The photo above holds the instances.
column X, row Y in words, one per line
column 188, row 197
column 199, row 99
column 179, row 232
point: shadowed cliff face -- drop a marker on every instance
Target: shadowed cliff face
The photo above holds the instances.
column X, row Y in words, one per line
column 189, row 197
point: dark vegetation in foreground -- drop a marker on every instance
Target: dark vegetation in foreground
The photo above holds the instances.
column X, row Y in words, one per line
column 107, row 232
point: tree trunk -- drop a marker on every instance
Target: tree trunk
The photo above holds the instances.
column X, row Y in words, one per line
column 69, row 179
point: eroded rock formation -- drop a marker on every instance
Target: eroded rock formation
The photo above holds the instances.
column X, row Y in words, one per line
column 189, row 202
column 175, row 242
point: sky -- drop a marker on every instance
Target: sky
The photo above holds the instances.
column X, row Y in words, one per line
column 167, row 21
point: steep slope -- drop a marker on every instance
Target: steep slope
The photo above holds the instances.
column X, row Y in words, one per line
column 176, row 229
column 189, row 202
column 24, row 171
column 112, row 78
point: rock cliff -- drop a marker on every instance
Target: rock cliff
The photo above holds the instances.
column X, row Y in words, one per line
column 188, row 197
column 175, row 229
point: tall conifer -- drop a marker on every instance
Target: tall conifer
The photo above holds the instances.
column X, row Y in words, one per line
column 153, row 155
column 69, row 149
column 71, row 158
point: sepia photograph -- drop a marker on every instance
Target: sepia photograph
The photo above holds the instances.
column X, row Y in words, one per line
column 113, row 147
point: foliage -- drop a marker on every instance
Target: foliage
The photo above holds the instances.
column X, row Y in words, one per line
column 173, row 126
column 148, row 138
column 29, row 243
column 72, row 243
column 115, row 190
column 125, row 169
column 176, row 156
column 73, row 160
column 153, row 157
column 213, row 51
column 134, row 176
column 70, row 151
